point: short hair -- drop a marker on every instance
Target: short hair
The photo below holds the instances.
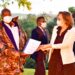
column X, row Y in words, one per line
column 5, row 10
column 67, row 18
column 41, row 17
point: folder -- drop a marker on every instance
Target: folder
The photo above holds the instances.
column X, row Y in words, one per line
column 31, row 46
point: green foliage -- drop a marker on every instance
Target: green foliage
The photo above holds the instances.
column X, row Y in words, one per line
column 31, row 71
column 71, row 9
column 51, row 24
column 0, row 18
column 47, row 16
column 28, row 24
column 23, row 3
column 30, row 63
column 28, row 71
column 4, row 3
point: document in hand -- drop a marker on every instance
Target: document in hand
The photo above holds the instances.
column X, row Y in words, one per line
column 31, row 46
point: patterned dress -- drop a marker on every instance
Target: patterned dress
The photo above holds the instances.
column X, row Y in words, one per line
column 11, row 60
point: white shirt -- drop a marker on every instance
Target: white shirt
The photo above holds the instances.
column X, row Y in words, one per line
column 15, row 33
column 42, row 29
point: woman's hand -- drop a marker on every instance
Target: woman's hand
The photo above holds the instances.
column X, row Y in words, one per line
column 45, row 47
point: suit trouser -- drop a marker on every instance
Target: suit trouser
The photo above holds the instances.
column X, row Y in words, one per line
column 40, row 64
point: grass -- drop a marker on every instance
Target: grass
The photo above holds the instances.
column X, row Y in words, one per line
column 30, row 72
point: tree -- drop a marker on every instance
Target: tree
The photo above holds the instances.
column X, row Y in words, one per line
column 23, row 3
column 28, row 24
column 51, row 24
column 71, row 9
column 47, row 16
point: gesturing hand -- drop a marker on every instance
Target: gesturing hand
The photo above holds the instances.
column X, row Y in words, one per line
column 45, row 47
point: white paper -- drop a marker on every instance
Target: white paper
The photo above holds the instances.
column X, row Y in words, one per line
column 31, row 46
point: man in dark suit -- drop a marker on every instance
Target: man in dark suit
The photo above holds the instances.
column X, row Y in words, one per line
column 40, row 33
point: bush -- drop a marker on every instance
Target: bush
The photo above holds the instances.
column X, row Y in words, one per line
column 30, row 63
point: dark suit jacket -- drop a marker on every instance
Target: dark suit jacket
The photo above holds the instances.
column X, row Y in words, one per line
column 37, row 34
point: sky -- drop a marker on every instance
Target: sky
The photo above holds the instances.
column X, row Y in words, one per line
column 43, row 6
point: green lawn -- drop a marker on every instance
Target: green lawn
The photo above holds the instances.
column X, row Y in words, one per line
column 30, row 72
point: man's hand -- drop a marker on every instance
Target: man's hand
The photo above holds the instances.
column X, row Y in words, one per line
column 24, row 55
column 1, row 45
column 44, row 47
